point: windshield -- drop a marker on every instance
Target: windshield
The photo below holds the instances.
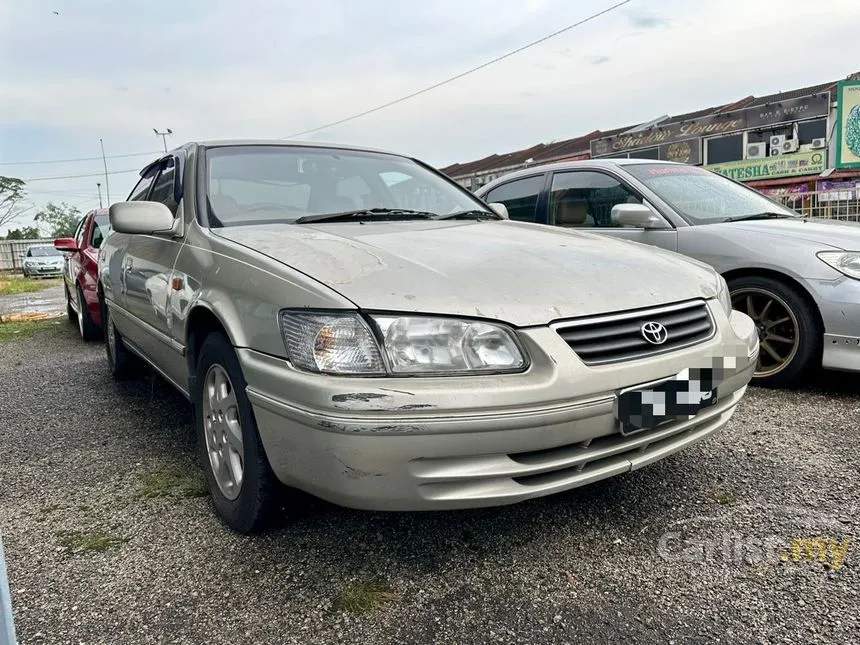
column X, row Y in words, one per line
column 702, row 196
column 261, row 184
column 42, row 252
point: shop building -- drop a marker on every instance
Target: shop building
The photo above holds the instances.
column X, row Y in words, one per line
column 793, row 145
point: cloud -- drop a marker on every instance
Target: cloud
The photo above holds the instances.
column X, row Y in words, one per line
column 644, row 20
column 598, row 60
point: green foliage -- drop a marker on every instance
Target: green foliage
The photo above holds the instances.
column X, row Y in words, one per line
column 12, row 193
column 58, row 220
column 25, row 233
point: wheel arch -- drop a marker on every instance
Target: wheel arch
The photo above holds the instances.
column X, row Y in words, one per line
column 201, row 322
column 785, row 279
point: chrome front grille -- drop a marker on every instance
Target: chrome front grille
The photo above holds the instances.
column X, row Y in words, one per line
column 618, row 337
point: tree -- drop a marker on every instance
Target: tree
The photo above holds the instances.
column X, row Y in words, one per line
column 12, row 194
column 25, row 233
column 58, row 220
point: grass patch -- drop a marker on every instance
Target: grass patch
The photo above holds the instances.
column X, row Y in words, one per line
column 12, row 284
column 89, row 541
column 172, row 481
column 723, row 496
column 18, row 330
column 363, row 597
column 43, row 513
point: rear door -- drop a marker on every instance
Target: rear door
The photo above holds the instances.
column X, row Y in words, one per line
column 583, row 199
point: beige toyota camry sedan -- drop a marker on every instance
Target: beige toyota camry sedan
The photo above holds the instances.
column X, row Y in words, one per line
column 351, row 323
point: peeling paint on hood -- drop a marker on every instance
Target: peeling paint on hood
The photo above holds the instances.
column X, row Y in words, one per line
column 524, row 274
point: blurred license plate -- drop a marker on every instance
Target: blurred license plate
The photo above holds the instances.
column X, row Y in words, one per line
column 681, row 396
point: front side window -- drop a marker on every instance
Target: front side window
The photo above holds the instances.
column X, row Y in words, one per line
column 584, row 198
column 259, row 184
column 701, row 196
column 163, row 188
column 138, row 193
column 520, row 197
column 79, row 232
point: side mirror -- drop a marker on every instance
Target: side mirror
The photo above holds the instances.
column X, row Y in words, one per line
column 142, row 218
column 500, row 209
column 636, row 215
column 67, row 244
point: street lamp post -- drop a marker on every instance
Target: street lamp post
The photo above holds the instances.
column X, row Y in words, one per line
column 99, row 184
column 163, row 136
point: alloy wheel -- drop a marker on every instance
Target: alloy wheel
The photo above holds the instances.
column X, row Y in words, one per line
column 81, row 304
column 223, row 429
column 777, row 325
column 110, row 332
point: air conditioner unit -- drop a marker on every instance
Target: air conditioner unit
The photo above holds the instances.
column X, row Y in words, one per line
column 789, row 145
column 756, row 150
column 775, row 151
column 805, row 147
column 820, row 142
column 777, row 140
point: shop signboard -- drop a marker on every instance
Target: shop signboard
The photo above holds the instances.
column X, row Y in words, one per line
column 848, row 125
column 799, row 163
column 760, row 116
column 834, row 191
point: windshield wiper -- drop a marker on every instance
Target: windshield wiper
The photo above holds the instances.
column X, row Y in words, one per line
column 743, row 218
column 470, row 214
column 366, row 213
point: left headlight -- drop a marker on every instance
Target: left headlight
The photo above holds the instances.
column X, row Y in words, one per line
column 846, row 262
column 337, row 343
column 723, row 294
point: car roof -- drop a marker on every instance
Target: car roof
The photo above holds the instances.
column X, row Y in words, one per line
column 213, row 143
column 605, row 164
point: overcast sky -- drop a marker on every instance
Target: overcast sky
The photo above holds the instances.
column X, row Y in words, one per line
column 270, row 68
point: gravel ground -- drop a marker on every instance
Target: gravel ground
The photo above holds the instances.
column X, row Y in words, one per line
column 48, row 301
column 109, row 541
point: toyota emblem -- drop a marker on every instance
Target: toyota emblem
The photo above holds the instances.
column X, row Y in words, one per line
column 654, row 332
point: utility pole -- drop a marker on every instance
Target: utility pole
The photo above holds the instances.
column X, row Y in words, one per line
column 163, row 136
column 104, row 160
column 99, row 184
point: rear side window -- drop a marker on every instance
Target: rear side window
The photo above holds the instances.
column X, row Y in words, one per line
column 520, row 197
column 100, row 230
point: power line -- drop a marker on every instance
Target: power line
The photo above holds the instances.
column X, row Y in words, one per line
column 91, row 174
column 124, row 156
column 460, row 75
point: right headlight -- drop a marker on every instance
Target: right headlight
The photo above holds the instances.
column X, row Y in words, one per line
column 846, row 262
column 409, row 345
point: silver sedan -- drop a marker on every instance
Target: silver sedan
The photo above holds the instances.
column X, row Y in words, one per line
column 797, row 278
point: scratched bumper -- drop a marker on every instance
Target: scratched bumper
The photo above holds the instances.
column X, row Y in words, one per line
column 445, row 443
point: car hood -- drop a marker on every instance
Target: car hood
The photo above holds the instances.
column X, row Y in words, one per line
column 524, row 274
column 826, row 232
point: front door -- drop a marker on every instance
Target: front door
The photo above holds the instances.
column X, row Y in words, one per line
column 583, row 199
column 148, row 276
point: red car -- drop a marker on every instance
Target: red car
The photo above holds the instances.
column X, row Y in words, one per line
column 81, row 272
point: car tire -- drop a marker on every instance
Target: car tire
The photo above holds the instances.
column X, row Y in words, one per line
column 802, row 326
column 89, row 330
column 123, row 364
column 70, row 311
column 247, row 507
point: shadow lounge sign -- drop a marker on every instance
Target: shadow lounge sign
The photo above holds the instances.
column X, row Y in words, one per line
column 760, row 116
column 800, row 163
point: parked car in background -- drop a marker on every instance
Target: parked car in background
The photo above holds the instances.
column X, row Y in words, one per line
column 798, row 278
column 354, row 324
column 42, row 261
column 81, row 273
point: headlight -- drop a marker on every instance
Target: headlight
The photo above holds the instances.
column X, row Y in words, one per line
column 723, row 294
column 407, row 345
column 846, row 262
column 418, row 345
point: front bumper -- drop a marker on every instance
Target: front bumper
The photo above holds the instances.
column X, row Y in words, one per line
column 443, row 443
column 839, row 304
column 43, row 271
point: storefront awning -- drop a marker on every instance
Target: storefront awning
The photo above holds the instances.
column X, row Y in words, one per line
column 838, row 175
column 782, row 181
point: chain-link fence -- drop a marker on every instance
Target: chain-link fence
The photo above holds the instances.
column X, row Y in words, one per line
column 12, row 252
